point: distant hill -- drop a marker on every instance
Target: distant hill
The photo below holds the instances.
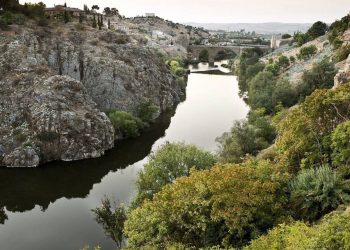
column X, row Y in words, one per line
column 262, row 28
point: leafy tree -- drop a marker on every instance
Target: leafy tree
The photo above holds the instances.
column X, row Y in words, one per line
column 305, row 133
column 317, row 29
column 307, row 52
column 292, row 59
column 226, row 205
column 320, row 76
column 341, row 145
column 81, row 18
column 283, row 93
column 109, row 24
column 114, row 12
column 260, row 91
column 171, row 161
column 337, row 29
column 283, row 62
column 204, row 56
column 107, row 11
column 273, row 68
column 253, row 70
column 86, row 9
column 112, row 220
column 300, row 38
column 315, row 192
column 286, row 36
column 246, row 137
column 95, row 7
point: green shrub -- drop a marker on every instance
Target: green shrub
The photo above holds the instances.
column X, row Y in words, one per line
column 307, row 52
column 204, row 56
column 9, row 18
column 147, row 110
column 126, row 124
column 342, row 53
column 320, row 76
column 283, row 62
column 315, row 192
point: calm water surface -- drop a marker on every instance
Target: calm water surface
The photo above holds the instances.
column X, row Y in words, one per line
column 50, row 207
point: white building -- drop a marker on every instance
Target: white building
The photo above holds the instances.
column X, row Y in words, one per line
column 150, row 14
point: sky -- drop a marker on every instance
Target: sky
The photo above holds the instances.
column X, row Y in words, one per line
column 225, row 11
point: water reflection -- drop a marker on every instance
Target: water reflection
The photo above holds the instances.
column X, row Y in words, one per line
column 23, row 189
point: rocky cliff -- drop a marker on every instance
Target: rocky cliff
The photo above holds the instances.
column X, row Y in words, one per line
column 57, row 81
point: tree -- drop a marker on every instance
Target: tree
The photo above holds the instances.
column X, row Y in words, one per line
column 114, row 12
column 86, row 9
column 341, row 145
column 300, row 38
column 246, row 137
column 168, row 163
column 226, row 205
column 286, row 36
column 112, row 220
column 283, row 62
column 307, row 52
column 95, row 7
column 107, row 11
column 66, row 17
column 305, row 133
column 3, row 216
column 317, row 29
column 316, row 192
column 94, row 24
column 81, row 18
column 204, row 56
column 321, row 75
column 260, row 91
column 109, row 24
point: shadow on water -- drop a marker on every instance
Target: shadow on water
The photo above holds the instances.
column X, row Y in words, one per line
column 22, row 189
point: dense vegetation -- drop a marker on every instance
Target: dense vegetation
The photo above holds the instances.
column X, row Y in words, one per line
column 278, row 177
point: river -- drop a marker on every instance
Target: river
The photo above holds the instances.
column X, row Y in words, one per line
column 50, row 207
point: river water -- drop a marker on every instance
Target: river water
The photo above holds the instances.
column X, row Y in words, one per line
column 50, row 207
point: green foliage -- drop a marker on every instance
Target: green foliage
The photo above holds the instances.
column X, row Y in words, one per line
column 342, row 53
column 286, row 36
column 226, row 205
column 248, row 57
column 305, row 133
column 253, row 70
column 9, row 18
column 171, row 161
column 292, row 59
column 300, row 38
column 283, row 62
column 265, row 91
column 315, row 192
column 112, row 220
column 333, row 232
column 204, row 56
column 94, row 23
column 126, row 124
column 285, row 237
column 246, row 137
column 341, row 145
column 337, row 29
column 320, row 76
column 273, row 68
column 307, row 52
column 147, row 110
column 317, row 29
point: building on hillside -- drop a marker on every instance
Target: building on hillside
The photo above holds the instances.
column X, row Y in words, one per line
column 60, row 9
column 150, row 14
column 277, row 42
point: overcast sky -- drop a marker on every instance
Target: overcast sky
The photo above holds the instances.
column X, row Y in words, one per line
column 225, row 11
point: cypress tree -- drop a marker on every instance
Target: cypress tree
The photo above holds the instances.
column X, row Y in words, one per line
column 94, row 25
column 109, row 24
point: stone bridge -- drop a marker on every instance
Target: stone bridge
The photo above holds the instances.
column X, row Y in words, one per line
column 195, row 50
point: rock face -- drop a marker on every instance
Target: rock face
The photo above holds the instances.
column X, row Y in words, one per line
column 54, row 83
column 54, row 119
